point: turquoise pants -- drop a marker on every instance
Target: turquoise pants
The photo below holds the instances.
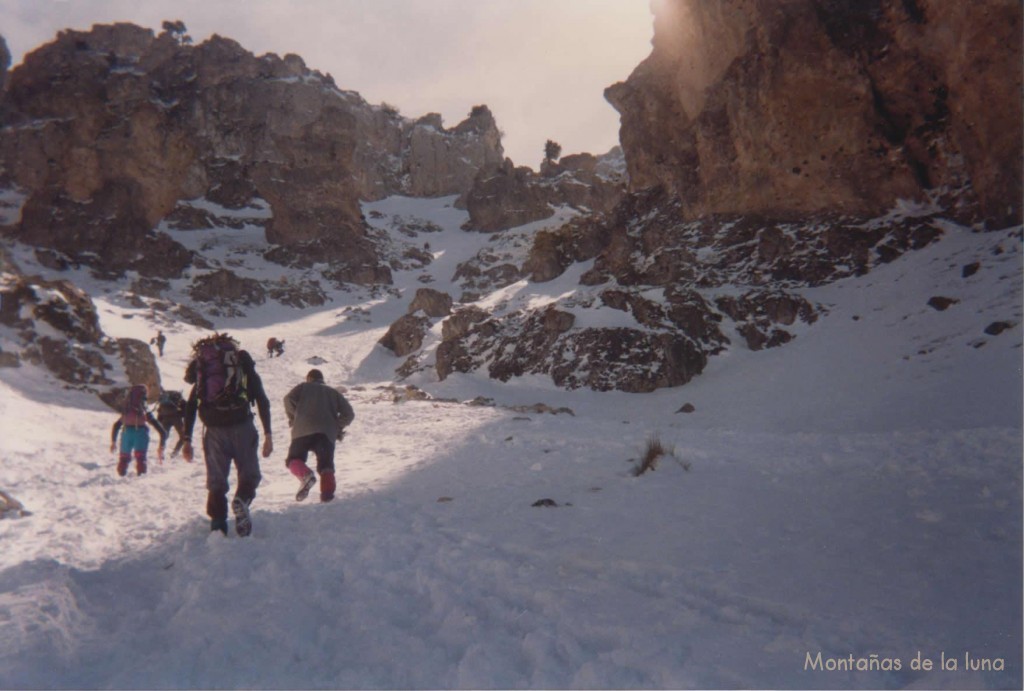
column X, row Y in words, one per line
column 134, row 439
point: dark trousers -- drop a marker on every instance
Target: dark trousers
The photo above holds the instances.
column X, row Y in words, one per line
column 322, row 447
column 178, row 424
column 222, row 446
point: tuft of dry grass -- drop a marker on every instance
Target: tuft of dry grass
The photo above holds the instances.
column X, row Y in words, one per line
column 654, row 451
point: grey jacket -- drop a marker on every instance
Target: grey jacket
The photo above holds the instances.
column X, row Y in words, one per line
column 315, row 408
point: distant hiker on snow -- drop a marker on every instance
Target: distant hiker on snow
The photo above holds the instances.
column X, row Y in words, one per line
column 134, row 433
column 170, row 411
column 275, row 346
column 318, row 415
column 225, row 387
column 159, row 341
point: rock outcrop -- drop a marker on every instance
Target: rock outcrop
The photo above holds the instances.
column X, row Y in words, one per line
column 438, row 162
column 507, row 196
column 54, row 325
column 433, row 303
column 768, row 148
column 106, row 131
column 798, row 108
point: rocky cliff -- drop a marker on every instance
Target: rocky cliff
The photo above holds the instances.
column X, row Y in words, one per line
column 770, row 147
column 54, row 325
column 105, row 132
column 792, row 108
column 767, row 148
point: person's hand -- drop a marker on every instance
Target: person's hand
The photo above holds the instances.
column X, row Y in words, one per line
column 113, row 447
column 186, row 451
column 268, row 446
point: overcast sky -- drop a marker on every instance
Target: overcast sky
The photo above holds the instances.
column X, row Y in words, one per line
column 540, row 65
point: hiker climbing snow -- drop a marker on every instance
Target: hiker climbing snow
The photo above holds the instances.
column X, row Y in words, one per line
column 170, row 411
column 225, row 386
column 134, row 433
column 318, row 415
column 159, row 340
column 275, row 347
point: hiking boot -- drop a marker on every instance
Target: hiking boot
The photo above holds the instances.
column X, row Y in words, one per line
column 140, row 467
column 122, row 467
column 327, row 486
column 220, row 524
column 243, row 521
column 305, row 484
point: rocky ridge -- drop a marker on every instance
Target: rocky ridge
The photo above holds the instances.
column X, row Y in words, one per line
column 105, row 133
column 702, row 238
column 769, row 148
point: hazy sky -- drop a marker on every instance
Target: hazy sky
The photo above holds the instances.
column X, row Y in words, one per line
column 540, row 65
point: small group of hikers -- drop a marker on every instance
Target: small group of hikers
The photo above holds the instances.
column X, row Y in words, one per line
column 225, row 387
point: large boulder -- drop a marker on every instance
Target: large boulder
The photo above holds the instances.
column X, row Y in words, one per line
column 433, row 303
column 406, row 334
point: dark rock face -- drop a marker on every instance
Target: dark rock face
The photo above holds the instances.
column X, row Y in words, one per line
column 505, row 196
column 545, row 342
column 57, row 328
column 792, row 109
column 676, row 279
column 224, row 287
column 647, row 242
column 58, row 304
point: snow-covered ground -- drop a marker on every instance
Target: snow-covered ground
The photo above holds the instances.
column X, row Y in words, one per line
column 832, row 510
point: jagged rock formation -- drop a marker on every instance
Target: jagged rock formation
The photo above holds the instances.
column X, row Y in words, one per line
column 504, row 197
column 810, row 106
column 676, row 282
column 438, row 162
column 54, row 325
column 433, row 303
column 406, row 335
column 767, row 146
column 105, row 131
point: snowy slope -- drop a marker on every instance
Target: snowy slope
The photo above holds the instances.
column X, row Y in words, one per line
column 854, row 493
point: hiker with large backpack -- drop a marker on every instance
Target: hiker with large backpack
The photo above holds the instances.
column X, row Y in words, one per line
column 224, row 388
column 318, row 416
column 131, row 424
